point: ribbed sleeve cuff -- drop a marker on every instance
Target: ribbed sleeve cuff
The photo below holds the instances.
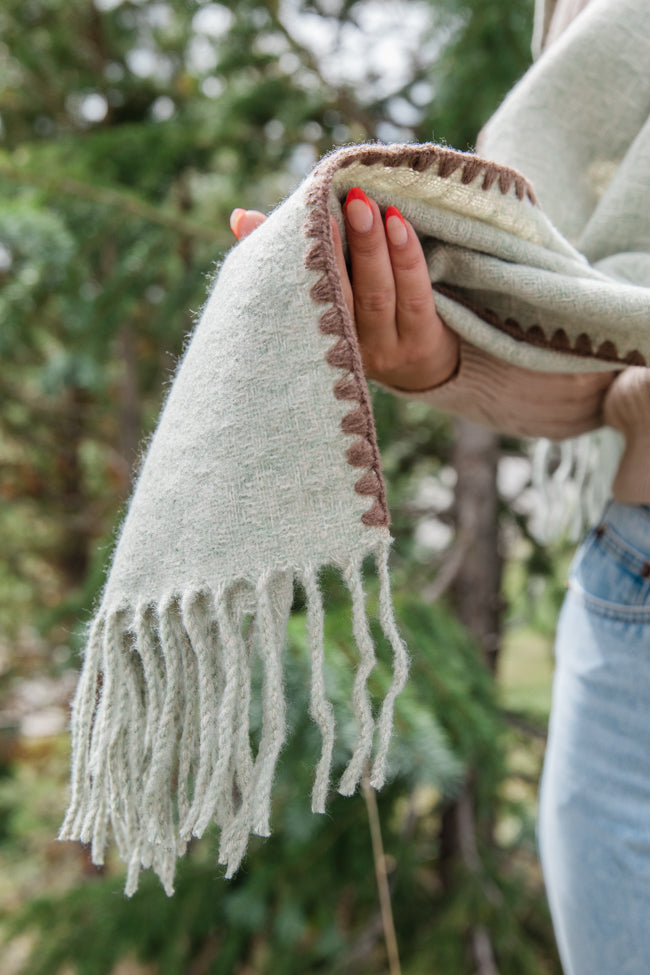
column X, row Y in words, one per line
column 518, row 401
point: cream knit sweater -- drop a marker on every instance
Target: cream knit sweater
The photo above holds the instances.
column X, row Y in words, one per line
column 523, row 402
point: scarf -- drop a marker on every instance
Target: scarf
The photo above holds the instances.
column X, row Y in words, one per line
column 578, row 125
column 264, row 468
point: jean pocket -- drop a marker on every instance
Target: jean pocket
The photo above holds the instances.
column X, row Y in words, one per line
column 611, row 574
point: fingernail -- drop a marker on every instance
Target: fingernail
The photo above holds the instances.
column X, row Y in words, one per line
column 235, row 220
column 395, row 227
column 358, row 211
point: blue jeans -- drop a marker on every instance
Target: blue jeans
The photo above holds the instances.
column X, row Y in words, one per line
column 594, row 816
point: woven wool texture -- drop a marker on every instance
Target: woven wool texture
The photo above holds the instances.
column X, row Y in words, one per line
column 578, row 126
column 264, row 467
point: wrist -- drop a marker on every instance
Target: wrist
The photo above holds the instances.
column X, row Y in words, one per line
column 425, row 375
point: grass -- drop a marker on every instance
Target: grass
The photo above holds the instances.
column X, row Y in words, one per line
column 526, row 672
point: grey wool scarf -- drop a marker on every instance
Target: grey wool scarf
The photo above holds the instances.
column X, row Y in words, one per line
column 264, row 467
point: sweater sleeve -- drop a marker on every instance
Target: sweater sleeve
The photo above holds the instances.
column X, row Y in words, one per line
column 517, row 401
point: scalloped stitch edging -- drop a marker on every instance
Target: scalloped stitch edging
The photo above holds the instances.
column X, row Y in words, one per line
column 535, row 334
column 336, row 321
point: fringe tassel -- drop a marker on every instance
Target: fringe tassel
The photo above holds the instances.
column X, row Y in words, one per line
column 83, row 707
column 320, row 708
column 400, row 671
column 158, row 808
column 255, row 809
column 360, row 700
column 574, row 479
column 161, row 719
column 219, row 800
column 200, row 623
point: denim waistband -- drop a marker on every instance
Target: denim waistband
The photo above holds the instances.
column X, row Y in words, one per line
column 631, row 522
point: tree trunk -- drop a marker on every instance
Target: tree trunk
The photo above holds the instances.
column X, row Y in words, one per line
column 476, row 591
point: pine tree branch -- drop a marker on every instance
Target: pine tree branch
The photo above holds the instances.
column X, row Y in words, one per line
column 115, row 199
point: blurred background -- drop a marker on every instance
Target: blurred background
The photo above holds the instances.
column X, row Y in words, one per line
column 128, row 132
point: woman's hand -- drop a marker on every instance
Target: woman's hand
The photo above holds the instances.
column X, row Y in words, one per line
column 404, row 343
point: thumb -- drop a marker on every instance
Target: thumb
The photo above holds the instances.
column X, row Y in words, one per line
column 244, row 222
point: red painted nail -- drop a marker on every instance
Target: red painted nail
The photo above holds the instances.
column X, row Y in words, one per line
column 358, row 211
column 393, row 212
column 396, row 229
column 356, row 194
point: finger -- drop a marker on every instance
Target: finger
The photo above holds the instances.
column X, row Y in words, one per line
column 428, row 347
column 415, row 307
column 342, row 267
column 372, row 275
column 243, row 222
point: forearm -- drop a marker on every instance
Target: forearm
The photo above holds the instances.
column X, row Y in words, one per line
column 517, row 401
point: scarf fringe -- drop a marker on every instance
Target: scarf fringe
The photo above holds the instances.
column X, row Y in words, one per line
column 574, row 481
column 161, row 719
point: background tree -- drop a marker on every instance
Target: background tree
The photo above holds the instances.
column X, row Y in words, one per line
column 129, row 130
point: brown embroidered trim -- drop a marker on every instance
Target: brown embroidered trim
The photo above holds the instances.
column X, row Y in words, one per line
column 421, row 158
column 336, row 321
column 345, row 355
column 535, row 334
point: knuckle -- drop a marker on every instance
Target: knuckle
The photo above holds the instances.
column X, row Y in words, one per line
column 411, row 262
column 417, row 306
column 373, row 302
column 366, row 246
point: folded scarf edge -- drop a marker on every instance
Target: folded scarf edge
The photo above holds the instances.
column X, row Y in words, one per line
column 335, row 319
column 421, row 157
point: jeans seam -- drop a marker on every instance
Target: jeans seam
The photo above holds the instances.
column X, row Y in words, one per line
column 618, row 611
column 622, row 550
